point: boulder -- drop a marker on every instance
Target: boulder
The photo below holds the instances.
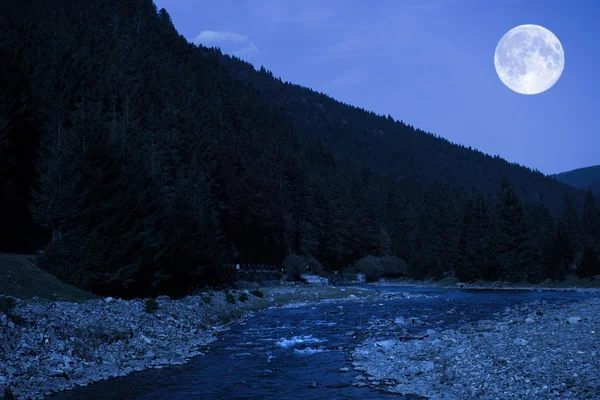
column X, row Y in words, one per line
column 385, row 344
column 573, row 320
column 412, row 370
column 38, row 310
column 428, row 366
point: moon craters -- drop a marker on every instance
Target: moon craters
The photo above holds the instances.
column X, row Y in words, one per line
column 529, row 59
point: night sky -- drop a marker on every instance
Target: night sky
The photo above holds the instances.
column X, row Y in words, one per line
column 429, row 63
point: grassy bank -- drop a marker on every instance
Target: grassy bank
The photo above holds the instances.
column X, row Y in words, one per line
column 21, row 278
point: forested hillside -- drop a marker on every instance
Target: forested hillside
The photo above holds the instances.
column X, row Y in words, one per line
column 385, row 145
column 148, row 162
column 582, row 178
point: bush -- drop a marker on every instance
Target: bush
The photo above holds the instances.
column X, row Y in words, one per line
column 7, row 304
column 150, row 306
column 230, row 298
column 380, row 267
column 243, row 297
column 257, row 293
column 206, row 298
column 315, row 266
column 370, row 266
column 295, row 266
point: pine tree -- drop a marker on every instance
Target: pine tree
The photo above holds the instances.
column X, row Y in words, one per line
column 474, row 246
column 590, row 220
column 562, row 252
column 590, row 262
column 543, row 231
column 528, row 257
column 508, row 233
column 573, row 225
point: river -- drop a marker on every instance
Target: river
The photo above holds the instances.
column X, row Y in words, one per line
column 279, row 353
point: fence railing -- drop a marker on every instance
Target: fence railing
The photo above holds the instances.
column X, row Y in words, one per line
column 255, row 267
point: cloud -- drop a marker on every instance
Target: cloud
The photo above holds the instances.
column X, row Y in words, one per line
column 229, row 42
column 247, row 52
column 217, row 37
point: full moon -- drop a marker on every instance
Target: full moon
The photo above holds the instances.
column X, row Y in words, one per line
column 529, row 59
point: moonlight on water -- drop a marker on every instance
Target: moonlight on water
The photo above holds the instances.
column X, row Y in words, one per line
column 529, row 59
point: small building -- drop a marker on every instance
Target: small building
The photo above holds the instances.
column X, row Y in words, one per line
column 315, row 279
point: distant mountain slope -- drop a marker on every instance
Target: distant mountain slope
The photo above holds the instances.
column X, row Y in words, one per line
column 582, row 178
column 385, row 145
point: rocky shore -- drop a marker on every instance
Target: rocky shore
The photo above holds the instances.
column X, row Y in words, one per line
column 46, row 347
column 535, row 351
column 571, row 284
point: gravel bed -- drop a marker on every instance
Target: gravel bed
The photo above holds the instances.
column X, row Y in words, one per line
column 46, row 346
column 535, row 351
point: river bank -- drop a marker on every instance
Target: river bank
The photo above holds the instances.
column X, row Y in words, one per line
column 46, row 346
column 536, row 350
column 571, row 283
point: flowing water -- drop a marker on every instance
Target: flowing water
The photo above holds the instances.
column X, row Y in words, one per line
column 278, row 353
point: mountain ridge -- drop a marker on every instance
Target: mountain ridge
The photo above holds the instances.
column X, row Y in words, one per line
column 582, row 178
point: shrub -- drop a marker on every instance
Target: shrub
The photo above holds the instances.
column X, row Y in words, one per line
column 243, row 297
column 379, row 267
column 230, row 298
column 315, row 266
column 295, row 265
column 7, row 304
column 150, row 305
column 257, row 293
column 206, row 298
column 370, row 266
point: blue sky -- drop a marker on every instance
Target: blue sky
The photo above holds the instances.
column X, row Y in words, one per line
column 429, row 63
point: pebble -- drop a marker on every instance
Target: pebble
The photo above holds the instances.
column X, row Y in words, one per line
column 500, row 359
